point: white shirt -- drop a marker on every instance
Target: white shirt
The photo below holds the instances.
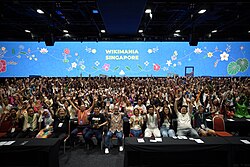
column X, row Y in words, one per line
column 184, row 121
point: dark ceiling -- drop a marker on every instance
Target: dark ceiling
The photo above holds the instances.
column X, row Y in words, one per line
column 122, row 19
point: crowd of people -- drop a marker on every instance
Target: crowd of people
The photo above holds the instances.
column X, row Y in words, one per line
column 42, row 107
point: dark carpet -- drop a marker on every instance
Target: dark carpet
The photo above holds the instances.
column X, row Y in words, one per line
column 80, row 156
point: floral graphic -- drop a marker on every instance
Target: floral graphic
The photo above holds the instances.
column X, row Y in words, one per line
column 157, row 67
column 197, row 51
column 76, row 54
column 174, row 65
column 209, row 54
column 82, row 67
column 44, row 50
column 179, row 63
column 165, row 68
column 243, row 63
column 97, row 63
column 233, row 68
column 93, row 51
column 106, row 67
column 174, row 57
column 66, row 51
column 224, row 56
column 3, row 49
column 90, row 50
column 146, row 63
column 73, row 65
column 153, row 50
column 169, row 62
column 241, row 47
column 2, row 66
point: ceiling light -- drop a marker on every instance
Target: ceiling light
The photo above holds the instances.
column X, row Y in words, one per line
column 65, row 31
column 249, row 31
column 67, row 35
column 95, row 11
column 103, row 31
column 177, row 35
column 40, row 11
column 140, row 31
column 150, row 15
column 202, row 11
column 178, row 31
column 214, row 31
column 28, row 31
column 148, row 11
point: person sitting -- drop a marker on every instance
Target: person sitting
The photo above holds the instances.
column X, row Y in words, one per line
column 200, row 123
column 184, row 126
column 136, row 122
column 45, row 124
column 30, row 124
column 166, row 127
column 82, row 119
column 60, row 124
column 97, row 120
column 152, row 123
column 116, row 128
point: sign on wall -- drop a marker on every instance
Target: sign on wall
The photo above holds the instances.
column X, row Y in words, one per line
column 133, row 59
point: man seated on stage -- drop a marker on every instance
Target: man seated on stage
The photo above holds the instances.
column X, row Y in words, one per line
column 152, row 123
column 184, row 126
column 200, row 123
column 82, row 117
column 115, row 128
column 97, row 120
column 30, row 124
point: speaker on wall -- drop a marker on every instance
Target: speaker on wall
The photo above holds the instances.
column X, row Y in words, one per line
column 49, row 39
column 193, row 41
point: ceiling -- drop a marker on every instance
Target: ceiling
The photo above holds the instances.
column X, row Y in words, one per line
column 122, row 19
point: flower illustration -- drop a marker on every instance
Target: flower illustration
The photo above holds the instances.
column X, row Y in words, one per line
column 174, row 65
column 197, row 51
column 179, row 63
column 44, row 50
column 233, row 68
column 157, row 67
column 175, row 53
column 97, row 63
column 73, row 65
column 93, row 51
column 76, row 54
column 2, row 65
column 146, row 63
column 150, row 51
column 3, row 49
column 82, row 67
column 66, row 51
column 106, row 67
column 224, row 56
column 19, row 56
column 174, row 57
column 209, row 54
column 165, row 68
column 241, row 47
column 169, row 62
column 243, row 63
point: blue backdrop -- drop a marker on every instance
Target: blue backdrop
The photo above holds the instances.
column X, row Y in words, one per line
column 142, row 59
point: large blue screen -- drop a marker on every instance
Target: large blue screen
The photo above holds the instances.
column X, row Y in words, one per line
column 133, row 59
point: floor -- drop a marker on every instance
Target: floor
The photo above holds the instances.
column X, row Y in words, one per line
column 94, row 157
